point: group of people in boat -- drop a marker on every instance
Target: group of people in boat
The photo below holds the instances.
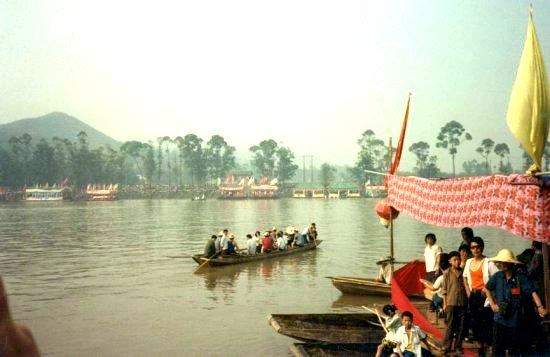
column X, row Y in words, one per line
column 497, row 302
column 225, row 244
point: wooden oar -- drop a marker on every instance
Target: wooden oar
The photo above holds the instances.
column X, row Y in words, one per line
column 377, row 315
column 205, row 262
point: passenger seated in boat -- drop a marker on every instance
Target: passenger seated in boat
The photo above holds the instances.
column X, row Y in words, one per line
column 210, row 248
column 231, row 246
column 290, row 233
column 301, row 240
column 392, row 321
column 408, row 337
column 384, row 273
column 258, row 239
column 224, row 240
column 281, row 241
column 251, row 245
column 312, row 232
column 267, row 243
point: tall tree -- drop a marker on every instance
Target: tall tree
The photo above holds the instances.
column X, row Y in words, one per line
column 133, row 149
column 148, row 162
column 502, row 150
column 485, row 149
column 328, row 173
column 372, row 156
column 26, row 157
column 220, row 157
column 286, row 168
column 264, row 157
column 421, row 150
column 450, row 137
column 193, row 157
column 43, row 163
column 160, row 140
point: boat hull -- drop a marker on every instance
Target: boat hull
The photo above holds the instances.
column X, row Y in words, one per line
column 241, row 259
column 329, row 328
column 333, row 349
column 364, row 286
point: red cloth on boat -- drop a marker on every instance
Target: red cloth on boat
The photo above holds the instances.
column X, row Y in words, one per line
column 406, row 281
column 518, row 204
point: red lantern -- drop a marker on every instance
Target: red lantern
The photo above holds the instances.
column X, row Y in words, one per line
column 383, row 210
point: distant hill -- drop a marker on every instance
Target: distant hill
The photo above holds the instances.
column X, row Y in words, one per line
column 54, row 124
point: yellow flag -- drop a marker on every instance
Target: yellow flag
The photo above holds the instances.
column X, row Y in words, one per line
column 529, row 108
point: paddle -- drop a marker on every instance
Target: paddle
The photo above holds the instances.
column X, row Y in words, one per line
column 377, row 315
column 206, row 261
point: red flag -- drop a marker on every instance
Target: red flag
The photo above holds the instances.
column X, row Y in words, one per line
column 397, row 156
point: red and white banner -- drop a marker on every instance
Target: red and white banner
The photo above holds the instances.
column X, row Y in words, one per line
column 516, row 203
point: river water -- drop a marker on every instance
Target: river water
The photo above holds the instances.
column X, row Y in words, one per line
column 99, row 278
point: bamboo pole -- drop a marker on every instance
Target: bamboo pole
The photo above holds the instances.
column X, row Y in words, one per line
column 391, row 216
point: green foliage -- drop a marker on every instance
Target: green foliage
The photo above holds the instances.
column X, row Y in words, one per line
column 502, row 151
column 474, row 168
column 485, row 150
column 426, row 165
column 450, row 137
column 286, row 168
column 328, row 173
column 194, row 157
column 264, row 157
column 372, row 156
column 220, row 157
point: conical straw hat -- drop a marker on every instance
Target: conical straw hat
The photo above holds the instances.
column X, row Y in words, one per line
column 505, row 256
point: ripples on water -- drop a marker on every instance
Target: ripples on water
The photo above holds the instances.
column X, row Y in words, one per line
column 94, row 278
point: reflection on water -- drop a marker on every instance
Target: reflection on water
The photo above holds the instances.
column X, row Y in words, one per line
column 94, row 278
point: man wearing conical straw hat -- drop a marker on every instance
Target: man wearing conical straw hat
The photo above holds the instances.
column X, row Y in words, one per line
column 508, row 292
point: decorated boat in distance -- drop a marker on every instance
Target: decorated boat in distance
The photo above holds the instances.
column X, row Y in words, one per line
column 46, row 194
column 330, row 327
column 102, row 192
column 244, row 258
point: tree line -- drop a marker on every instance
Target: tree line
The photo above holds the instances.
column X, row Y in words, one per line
column 189, row 160
column 175, row 161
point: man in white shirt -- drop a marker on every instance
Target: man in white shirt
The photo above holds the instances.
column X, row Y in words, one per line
column 224, row 240
column 432, row 254
column 281, row 241
column 251, row 245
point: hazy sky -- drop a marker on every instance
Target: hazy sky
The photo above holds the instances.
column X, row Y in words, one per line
column 313, row 75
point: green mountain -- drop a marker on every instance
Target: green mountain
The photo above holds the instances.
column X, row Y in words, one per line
column 54, row 124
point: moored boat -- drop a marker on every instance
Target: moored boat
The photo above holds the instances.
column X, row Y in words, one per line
column 46, row 194
column 330, row 327
column 332, row 349
column 368, row 286
column 244, row 258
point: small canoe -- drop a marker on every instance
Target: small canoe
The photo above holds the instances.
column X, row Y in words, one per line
column 244, row 258
column 363, row 286
column 333, row 349
column 331, row 327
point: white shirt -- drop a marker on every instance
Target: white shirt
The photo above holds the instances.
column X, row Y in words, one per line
column 430, row 257
column 416, row 334
column 224, row 242
column 437, row 285
column 489, row 268
column 217, row 244
column 251, row 245
column 281, row 243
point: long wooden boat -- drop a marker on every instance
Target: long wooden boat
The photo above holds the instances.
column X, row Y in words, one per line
column 313, row 349
column 335, row 328
column 363, row 286
column 330, row 328
column 243, row 258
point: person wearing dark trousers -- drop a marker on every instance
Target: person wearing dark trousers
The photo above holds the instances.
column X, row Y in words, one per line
column 507, row 292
